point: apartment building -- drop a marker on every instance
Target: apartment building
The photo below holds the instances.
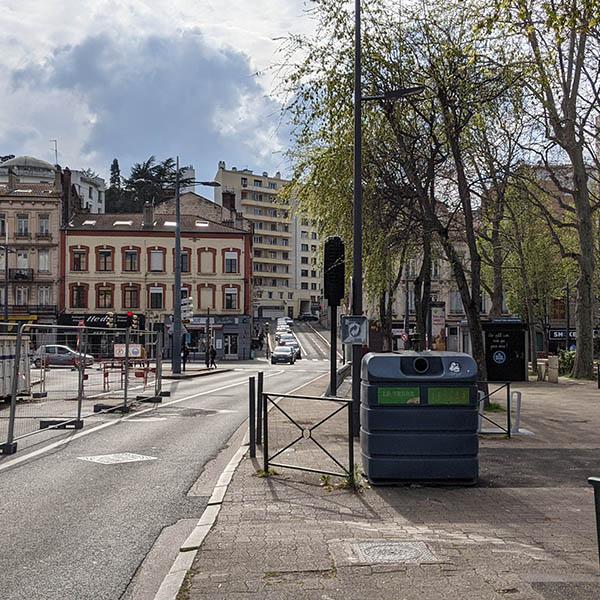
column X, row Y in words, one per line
column 125, row 262
column 283, row 284
column 30, row 215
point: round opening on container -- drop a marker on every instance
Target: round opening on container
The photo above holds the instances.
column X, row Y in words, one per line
column 421, row 365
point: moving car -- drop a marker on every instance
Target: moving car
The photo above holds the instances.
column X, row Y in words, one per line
column 56, row 355
column 308, row 317
column 293, row 344
column 283, row 354
column 281, row 332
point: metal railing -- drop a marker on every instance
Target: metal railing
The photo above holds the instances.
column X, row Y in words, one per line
column 53, row 377
column 490, row 395
column 259, row 427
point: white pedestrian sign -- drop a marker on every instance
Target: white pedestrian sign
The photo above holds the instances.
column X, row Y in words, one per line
column 355, row 330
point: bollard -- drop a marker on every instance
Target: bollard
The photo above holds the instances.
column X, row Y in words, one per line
column 598, row 374
column 480, row 411
column 517, row 424
column 595, row 483
column 252, row 416
column 259, row 403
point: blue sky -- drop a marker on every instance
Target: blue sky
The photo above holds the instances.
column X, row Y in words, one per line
column 133, row 78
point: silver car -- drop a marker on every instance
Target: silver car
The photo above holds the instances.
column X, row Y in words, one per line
column 56, row 355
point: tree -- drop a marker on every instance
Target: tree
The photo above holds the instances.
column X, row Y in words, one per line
column 115, row 175
column 561, row 46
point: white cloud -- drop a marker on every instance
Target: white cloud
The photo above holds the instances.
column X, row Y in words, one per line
column 64, row 88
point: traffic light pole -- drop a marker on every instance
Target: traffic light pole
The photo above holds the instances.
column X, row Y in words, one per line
column 176, row 358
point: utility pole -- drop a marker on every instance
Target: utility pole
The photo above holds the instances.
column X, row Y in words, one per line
column 176, row 358
column 5, row 306
column 357, row 278
column 55, row 142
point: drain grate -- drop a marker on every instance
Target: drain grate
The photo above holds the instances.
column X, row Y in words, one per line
column 394, row 552
column 115, row 459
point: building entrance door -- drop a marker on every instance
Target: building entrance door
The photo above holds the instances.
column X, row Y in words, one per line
column 230, row 343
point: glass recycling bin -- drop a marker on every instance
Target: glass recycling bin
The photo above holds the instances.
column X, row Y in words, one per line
column 419, row 418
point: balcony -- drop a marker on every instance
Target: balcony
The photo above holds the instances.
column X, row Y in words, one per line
column 20, row 274
column 31, row 309
column 43, row 236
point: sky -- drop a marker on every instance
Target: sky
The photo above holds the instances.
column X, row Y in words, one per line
column 134, row 78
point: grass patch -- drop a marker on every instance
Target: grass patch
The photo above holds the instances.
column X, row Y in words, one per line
column 494, row 407
column 262, row 473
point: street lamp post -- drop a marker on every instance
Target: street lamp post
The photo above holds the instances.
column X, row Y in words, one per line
column 176, row 358
column 357, row 276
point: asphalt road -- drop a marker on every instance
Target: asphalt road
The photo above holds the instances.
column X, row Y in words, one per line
column 75, row 528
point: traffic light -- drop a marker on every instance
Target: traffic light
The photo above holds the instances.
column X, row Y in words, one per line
column 110, row 320
column 187, row 309
column 129, row 319
column 135, row 323
column 334, row 270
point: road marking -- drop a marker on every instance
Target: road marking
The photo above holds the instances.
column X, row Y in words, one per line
column 324, row 339
column 68, row 440
column 115, row 459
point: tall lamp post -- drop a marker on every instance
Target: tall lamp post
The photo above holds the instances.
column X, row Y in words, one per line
column 176, row 357
column 357, row 276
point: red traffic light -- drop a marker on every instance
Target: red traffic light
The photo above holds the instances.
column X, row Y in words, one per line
column 130, row 315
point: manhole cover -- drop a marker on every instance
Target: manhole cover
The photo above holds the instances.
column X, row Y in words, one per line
column 394, row 552
column 114, row 459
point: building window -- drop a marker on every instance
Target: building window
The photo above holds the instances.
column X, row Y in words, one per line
column 3, row 226
column 44, row 225
column 105, row 261
column 231, row 298
column 313, row 248
column 185, row 261
column 23, row 225
column 79, row 260
column 285, row 255
column 304, row 260
column 313, row 286
column 456, row 305
column 157, row 261
column 244, row 182
column 304, row 247
column 281, row 295
column 44, row 296
column 22, row 259
column 272, row 185
column 207, row 260
column 131, row 261
column 304, row 235
column 21, row 296
column 78, row 297
column 44, row 261
column 290, row 296
column 131, row 297
column 435, row 269
column 231, row 262
column 257, row 183
column 304, row 273
column 313, row 273
column 304, row 285
column 313, row 236
column 156, row 298
column 104, row 298
column 90, row 194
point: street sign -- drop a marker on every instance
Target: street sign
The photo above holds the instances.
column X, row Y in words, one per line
column 355, row 330
column 135, row 350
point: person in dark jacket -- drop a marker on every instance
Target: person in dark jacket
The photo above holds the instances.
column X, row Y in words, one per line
column 213, row 355
column 185, row 352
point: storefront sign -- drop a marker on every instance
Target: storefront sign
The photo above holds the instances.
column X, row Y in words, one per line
column 560, row 334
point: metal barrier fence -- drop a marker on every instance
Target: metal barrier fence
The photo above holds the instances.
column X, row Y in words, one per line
column 55, row 376
column 291, row 424
column 504, row 402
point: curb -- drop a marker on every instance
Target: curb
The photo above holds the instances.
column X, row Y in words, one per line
column 169, row 588
column 195, row 375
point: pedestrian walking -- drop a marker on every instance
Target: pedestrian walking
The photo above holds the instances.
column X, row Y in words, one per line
column 207, row 357
column 213, row 355
column 185, row 352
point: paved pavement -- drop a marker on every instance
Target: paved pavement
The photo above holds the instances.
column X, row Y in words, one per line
column 77, row 524
column 526, row 531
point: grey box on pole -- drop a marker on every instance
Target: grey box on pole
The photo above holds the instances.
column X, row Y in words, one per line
column 419, row 417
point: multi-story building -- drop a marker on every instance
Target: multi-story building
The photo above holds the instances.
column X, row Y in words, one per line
column 125, row 262
column 89, row 187
column 283, row 285
column 30, row 217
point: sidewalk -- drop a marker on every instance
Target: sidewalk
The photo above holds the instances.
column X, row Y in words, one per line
column 527, row 531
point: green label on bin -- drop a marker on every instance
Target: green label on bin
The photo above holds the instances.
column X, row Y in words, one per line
column 404, row 395
column 448, row 395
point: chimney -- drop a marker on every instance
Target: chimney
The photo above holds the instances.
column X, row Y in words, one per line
column 58, row 183
column 12, row 179
column 148, row 220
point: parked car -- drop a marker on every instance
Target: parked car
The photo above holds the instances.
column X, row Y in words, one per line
column 283, row 354
column 281, row 332
column 59, row 356
column 308, row 317
column 285, row 321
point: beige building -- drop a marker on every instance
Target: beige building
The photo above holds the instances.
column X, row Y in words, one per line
column 125, row 262
column 283, row 283
column 30, row 215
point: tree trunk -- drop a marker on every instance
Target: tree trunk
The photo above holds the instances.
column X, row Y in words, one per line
column 584, row 356
column 423, row 294
column 497, row 296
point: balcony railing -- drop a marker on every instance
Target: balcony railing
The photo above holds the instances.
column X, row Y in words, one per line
column 20, row 274
column 30, row 309
column 40, row 235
